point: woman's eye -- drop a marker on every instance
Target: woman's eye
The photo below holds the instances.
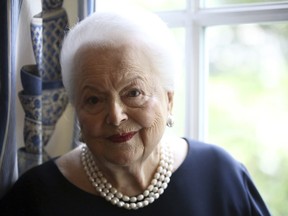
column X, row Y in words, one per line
column 134, row 93
column 93, row 100
column 93, row 104
column 135, row 97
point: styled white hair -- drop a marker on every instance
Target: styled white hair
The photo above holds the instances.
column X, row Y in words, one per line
column 107, row 29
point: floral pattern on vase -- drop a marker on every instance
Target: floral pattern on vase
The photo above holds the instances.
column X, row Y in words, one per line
column 47, row 33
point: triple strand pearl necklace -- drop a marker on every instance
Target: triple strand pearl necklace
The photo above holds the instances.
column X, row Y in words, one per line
column 157, row 186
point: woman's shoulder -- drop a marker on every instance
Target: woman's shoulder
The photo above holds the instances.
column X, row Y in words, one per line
column 27, row 188
column 214, row 169
column 208, row 151
column 47, row 168
column 213, row 158
column 40, row 177
column 214, row 165
column 189, row 153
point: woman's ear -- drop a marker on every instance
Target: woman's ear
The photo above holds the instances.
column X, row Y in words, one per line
column 170, row 96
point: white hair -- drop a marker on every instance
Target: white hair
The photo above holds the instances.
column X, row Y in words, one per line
column 106, row 29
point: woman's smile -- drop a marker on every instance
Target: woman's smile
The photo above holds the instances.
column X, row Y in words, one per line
column 123, row 137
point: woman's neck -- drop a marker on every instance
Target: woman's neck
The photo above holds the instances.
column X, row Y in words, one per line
column 135, row 178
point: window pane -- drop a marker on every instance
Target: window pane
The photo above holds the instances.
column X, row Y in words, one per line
column 247, row 98
column 217, row 3
column 152, row 5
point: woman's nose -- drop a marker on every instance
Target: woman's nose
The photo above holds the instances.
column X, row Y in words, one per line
column 116, row 114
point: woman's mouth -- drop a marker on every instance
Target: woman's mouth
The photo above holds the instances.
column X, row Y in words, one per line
column 119, row 138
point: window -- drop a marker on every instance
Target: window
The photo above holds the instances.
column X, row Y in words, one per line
column 219, row 3
column 247, row 101
column 234, row 82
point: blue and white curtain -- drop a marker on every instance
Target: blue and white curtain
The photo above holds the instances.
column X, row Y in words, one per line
column 34, row 113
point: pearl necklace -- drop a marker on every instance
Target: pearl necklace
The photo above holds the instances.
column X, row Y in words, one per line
column 157, row 186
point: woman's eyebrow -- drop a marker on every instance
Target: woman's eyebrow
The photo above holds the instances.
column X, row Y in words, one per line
column 134, row 78
column 91, row 88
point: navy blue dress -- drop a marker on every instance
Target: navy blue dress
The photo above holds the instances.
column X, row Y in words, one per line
column 208, row 183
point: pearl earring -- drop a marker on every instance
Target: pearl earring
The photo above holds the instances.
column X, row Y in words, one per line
column 170, row 121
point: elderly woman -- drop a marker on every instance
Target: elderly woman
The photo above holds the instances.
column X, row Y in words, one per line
column 119, row 72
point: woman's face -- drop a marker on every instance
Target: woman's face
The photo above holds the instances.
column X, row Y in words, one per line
column 121, row 108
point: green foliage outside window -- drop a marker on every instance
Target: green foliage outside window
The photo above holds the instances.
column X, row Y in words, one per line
column 248, row 103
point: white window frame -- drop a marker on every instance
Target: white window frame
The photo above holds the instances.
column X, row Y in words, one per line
column 195, row 19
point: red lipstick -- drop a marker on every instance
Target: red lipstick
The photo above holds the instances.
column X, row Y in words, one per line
column 119, row 138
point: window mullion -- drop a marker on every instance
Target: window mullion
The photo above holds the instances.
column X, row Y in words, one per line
column 195, row 76
column 243, row 14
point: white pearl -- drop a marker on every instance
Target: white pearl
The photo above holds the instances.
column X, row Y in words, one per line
column 156, row 189
column 119, row 195
column 162, row 177
column 140, row 197
column 140, row 204
column 150, row 187
column 164, row 185
column 108, row 198
column 133, row 205
column 151, row 199
column 133, row 199
column 111, row 195
column 105, row 190
column 160, row 191
column 151, row 195
column 167, row 180
column 156, row 195
column 153, row 182
column 120, row 204
column 108, row 185
column 159, row 169
column 157, row 175
column 113, row 190
column 126, row 198
column 145, row 202
column 169, row 173
column 146, row 193
column 115, row 201
column 159, row 184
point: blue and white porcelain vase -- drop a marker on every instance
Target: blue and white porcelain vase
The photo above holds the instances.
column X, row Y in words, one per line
column 43, row 97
